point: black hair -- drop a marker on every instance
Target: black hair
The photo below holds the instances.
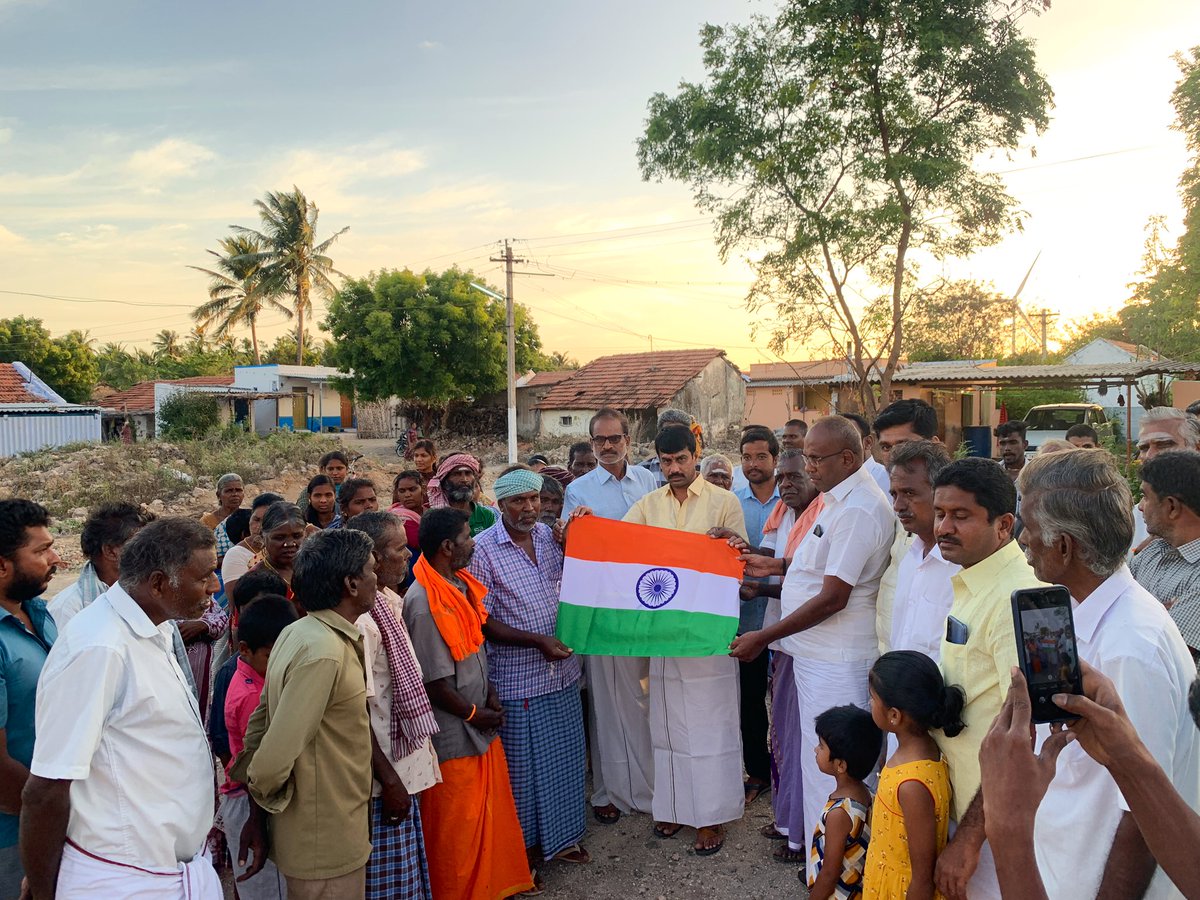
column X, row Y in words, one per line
column 256, row 583
column 316, row 481
column 1194, row 701
column 165, row 545
column 1084, row 431
column 550, row 485
column 112, row 525
column 437, row 526
column 983, row 478
column 537, row 458
column 916, row 413
column 375, row 524
column 675, row 439
column 1194, row 410
column 1175, row 474
column 797, row 423
column 576, row 449
column 323, row 564
column 352, row 486
column 1011, row 427
column 407, row 475
column 237, row 525
column 860, row 422
column 261, row 622
column 912, row 683
column 851, row 736
column 607, row 412
column 331, row 456
column 17, row 516
column 428, row 446
column 264, row 499
column 758, row 433
column 281, row 513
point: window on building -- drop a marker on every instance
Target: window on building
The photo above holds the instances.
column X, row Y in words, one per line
column 565, row 420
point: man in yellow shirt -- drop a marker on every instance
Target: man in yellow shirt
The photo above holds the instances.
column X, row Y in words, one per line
column 974, row 504
column 694, row 718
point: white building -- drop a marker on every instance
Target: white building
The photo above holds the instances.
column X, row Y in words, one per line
column 33, row 416
column 312, row 402
column 1102, row 351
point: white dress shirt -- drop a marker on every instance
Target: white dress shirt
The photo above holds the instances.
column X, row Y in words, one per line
column 880, row 473
column 1126, row 634
column 607, row 496
column 924, row 595
column 852, row 541
column 116, row 718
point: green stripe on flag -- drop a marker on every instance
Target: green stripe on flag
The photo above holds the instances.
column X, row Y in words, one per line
column 660, row 632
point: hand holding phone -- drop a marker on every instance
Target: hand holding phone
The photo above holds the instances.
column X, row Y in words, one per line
column 1046, row 648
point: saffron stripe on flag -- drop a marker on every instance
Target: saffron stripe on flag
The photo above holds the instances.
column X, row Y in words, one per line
column 607, row 540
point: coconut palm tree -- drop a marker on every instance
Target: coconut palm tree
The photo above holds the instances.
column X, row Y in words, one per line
column 166, row 344
column 238, row 289
column 292, row 259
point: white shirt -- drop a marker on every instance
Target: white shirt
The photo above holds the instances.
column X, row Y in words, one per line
column 852, row 541
column 880, row 473
column 1126, row 634
column 116, row 718
column 606, row 496
column 419, row 770
column 236, row 563
column 924, row 595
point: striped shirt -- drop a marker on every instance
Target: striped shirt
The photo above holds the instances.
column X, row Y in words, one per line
column 1172, row 575
column 522, row 594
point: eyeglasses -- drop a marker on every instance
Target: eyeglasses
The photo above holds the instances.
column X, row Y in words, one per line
column 817, row 460
column 601, row 439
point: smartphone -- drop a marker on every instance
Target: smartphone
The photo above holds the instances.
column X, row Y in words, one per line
column 1046, row 647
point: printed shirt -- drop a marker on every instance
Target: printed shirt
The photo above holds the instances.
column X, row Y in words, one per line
column 607, row 496
column 241, row 699
column 756, row 514
column 133, row 744
column 1172, row 575
column 522, row 594
column 22, row 656
column 982, row 666
column 851, row 541
column 924, row 595
column 419, row 770
column 1123, row 631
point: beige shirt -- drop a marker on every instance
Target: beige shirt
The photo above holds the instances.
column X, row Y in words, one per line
column 307, row 758
column 419, row 770
column 706, row 506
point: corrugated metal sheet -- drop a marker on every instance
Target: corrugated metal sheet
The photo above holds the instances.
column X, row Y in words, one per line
column 24, row 432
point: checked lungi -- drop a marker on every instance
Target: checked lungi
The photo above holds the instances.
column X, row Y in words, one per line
column 547, row 765
column 397, row 868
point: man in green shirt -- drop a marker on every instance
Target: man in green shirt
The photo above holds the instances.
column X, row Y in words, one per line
column 307, row 759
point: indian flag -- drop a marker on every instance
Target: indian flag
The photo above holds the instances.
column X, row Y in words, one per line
column 634, row 590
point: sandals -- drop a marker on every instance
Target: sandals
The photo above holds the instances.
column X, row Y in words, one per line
column 786, row 854
column 770, row 832
column 754, row 790
column 666, row 830
column 574, row 854
column 539, row 886
column 606, row 815
column 709, row 851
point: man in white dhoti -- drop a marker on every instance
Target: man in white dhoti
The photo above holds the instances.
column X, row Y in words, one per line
column 694, row 716
column 618, row 703
column 828, row 596
column 120, row 799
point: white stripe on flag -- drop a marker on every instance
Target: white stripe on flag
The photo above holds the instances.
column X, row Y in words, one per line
column 646, row 587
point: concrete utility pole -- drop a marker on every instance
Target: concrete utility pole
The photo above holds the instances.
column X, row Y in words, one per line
column 1045, row 315
column 510, row 329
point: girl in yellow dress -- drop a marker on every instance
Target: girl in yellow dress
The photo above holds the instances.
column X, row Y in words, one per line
column 911, row 813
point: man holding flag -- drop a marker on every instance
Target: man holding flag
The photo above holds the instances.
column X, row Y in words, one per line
column 694, row 718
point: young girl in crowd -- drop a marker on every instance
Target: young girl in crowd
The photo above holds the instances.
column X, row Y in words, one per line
column 912, row 805
column 848, row 748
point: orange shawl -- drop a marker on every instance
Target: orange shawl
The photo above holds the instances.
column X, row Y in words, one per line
column 803, row 523
column 459, row 619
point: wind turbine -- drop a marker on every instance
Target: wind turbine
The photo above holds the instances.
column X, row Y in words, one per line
column 1016, row 305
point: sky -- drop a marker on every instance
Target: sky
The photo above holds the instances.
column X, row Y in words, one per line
column 134, row 132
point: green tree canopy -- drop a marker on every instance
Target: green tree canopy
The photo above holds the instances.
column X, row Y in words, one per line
column 955, row 320
column 66, row 363
column 429, row 338
column 238, row 290
column 839, row 139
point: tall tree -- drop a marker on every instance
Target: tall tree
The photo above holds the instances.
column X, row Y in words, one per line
column 837, row 141
column 292, row 259
column 166, row 344
column 238, row 291
column 66, row 363
column 954, row 320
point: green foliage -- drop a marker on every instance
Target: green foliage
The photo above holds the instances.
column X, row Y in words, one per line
column 187, row 415
column 430, row 339
column 838, row 137
column 956, row 320
column 1019, row 401
column 238, row 289
column 65, row 363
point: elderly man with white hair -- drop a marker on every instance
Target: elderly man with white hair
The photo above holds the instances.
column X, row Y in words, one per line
column 1162, row 430
column 718, row 470
column 1078, row 525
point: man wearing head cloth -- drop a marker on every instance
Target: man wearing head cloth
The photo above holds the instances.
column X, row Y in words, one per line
column 454, row 485
column 536, row 676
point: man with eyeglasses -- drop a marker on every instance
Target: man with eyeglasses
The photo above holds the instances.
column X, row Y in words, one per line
column 828, row 597
column 619, row 707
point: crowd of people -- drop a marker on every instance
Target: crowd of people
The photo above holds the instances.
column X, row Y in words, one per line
column 338, row 699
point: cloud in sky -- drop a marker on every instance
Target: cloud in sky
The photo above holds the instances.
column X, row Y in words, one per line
column 429, row 45
column 168, row 159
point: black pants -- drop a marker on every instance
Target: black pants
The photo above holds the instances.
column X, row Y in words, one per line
column 756, row 753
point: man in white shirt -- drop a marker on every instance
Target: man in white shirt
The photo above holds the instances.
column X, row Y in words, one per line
column 1161, row 430
column 619, row 706
column 924, row 592
column 877, row 470
column 828, row 596
column 120, row 799
column 1078, row 524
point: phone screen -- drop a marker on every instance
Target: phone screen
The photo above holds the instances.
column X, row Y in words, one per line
column 1045, row 633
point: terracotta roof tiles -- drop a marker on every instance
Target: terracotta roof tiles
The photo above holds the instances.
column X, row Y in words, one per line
column 629, row 381
column 13, row 388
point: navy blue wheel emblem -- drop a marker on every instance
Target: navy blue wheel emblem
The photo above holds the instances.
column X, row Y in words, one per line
column 657, row 587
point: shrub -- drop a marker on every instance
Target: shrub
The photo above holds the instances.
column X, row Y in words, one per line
column 188, row 415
